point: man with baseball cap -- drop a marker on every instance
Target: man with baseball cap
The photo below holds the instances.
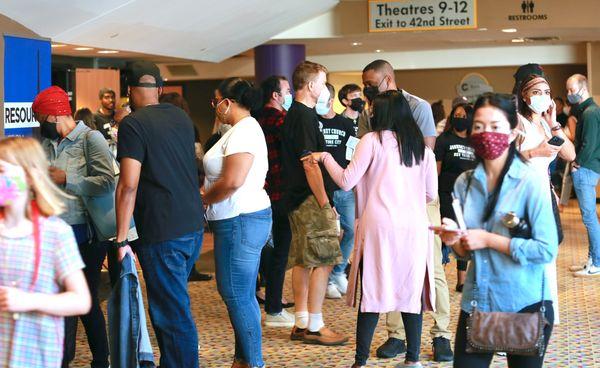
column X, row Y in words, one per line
column 159, row 186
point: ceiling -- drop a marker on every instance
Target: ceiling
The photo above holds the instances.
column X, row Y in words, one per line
column 183, row 29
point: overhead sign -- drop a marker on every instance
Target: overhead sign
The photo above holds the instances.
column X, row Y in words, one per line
column 27, row 71
column 19, row 115
column 420, row 15
column 530, row 11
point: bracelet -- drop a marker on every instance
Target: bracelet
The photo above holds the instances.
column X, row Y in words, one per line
column 122, row 244
column 556, row 128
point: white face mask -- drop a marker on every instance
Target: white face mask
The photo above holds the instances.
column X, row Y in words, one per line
column 540, row 104
column 322, row 106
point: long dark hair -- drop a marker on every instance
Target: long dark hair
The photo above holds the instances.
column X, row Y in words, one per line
column 392, row 112
column 450, row 120
column 508, row 105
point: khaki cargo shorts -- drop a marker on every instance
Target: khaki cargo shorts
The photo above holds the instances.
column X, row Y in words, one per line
column 315, row 241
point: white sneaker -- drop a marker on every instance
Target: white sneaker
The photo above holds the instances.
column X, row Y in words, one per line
column 341, row 282
column 581, row 267
column 333, row 292
column 283, row 319
column 589, row 271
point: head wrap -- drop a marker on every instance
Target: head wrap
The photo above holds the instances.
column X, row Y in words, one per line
column 52, row 101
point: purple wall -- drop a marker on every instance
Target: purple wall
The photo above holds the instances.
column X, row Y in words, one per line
column 277, row 60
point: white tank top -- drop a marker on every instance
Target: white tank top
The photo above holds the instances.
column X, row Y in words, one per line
column 534, row 138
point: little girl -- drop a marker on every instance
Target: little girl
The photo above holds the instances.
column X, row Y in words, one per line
column 41, row 278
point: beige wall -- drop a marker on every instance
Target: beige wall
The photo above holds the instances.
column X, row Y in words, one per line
column 88, row 83
column 440, row 84
column 9, row 27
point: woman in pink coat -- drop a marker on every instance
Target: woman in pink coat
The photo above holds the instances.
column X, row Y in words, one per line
column 395, row 176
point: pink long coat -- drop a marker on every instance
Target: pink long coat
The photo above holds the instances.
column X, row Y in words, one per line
column 392, row 239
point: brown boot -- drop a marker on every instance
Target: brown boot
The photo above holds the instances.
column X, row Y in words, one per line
column 325, row 337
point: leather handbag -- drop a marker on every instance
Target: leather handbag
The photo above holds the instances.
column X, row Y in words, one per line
column 512, row 333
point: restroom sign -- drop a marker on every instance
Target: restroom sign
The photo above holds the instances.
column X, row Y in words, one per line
column 19, row 115
column 421, row 15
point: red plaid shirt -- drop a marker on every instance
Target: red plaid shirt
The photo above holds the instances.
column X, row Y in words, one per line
column 271, row 121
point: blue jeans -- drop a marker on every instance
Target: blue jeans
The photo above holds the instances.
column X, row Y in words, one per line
column 238, row 245
column 344, row 204
column 166, row 266
column 585, row 181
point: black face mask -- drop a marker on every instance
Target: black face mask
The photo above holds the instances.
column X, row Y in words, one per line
column 48, row 130
column 357, row 104
column 370, row 92
column 461, row 124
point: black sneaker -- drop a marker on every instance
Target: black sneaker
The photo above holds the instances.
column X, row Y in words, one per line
column 391, row 348
column 442, row 352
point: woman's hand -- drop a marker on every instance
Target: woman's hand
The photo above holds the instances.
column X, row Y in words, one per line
column 550, row 115
column 475, row 239
column 544, row 150
column 448, row 232
column 313, row 158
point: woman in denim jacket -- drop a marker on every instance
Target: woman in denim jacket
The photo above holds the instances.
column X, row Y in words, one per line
column 508, row 271
column 79, row 174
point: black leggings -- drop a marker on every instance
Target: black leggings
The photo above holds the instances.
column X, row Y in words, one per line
column 365, row 328
column 462, row 359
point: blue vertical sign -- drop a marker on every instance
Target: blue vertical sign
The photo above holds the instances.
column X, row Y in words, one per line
column 27, row 71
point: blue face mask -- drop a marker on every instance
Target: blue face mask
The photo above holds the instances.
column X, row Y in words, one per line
column 287, row 101
column 322, row 106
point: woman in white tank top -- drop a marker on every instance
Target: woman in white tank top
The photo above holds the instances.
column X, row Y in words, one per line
column 538, row 125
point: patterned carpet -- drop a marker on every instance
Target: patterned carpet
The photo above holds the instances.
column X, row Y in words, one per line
column 575, row 342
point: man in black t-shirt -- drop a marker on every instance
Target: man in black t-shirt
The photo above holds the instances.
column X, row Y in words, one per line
column 104, row 118
column 315, row 248
column 350, row 97
column 159, row 175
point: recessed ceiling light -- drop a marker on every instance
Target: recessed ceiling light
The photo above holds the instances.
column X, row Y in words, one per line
column 509, row 30
column 57, row 45
column 482, row 29
column 378, row 50
column 356, row 43
column 83, row 48
column 518, row 40
column 108, row 52
column 166, row 79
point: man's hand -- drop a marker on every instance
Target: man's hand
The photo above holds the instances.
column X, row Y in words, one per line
column 58, row 176
column 122, row 251
column 15, row 300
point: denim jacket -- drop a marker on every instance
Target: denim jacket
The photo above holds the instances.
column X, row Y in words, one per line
column 68, row 155
column 129, row 340
column 509, row 283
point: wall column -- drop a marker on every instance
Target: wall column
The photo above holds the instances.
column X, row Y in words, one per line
column 277, row 60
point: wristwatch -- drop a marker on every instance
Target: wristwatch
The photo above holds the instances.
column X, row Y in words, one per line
column 122, row 244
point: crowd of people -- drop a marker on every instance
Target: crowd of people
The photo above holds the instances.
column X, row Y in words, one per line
column 370, row 204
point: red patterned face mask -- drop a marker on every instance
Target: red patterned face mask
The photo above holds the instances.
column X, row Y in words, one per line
column 489, row 145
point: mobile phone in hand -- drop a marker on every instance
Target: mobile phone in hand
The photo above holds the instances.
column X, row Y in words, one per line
column 556, row 141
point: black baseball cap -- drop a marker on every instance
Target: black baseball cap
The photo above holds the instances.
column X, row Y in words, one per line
column 134, row 71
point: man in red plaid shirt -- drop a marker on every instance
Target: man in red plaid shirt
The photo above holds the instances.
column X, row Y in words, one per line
column 277, row 99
